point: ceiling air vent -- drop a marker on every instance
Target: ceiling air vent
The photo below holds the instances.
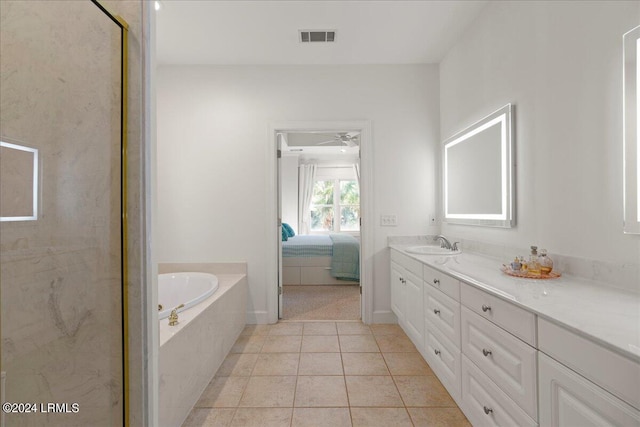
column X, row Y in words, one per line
column 313, row 36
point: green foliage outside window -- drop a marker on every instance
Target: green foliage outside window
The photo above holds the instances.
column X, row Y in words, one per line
column 335, row 196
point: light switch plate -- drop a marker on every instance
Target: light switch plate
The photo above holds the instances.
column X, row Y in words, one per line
column 388, row 220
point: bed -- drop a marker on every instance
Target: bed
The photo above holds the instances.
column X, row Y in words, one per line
column 332, row 259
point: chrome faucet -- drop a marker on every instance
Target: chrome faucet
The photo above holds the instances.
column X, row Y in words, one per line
column 444, row 242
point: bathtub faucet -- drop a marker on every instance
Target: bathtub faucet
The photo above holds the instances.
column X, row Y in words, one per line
column 173, row 317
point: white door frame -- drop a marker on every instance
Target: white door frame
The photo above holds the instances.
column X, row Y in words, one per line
column 366, row 208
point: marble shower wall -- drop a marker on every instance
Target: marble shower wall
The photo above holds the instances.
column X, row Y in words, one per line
column 60, row 275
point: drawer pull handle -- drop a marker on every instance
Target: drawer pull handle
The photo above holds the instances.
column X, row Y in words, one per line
column 486, row 308
column 436, row 311
column 488, row 410
column 437, row 352
column 436, row 281
column 486, row 352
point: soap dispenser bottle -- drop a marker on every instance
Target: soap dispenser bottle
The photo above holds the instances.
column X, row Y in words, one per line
column 534, row 262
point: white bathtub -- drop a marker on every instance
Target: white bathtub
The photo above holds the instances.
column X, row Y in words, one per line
column 183, row 288
column 191, row 352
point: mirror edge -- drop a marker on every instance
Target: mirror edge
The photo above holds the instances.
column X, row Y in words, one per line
column 630, row 133
column 510, row 221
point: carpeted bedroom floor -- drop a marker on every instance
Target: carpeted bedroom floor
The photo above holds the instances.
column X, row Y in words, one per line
column 323, row 302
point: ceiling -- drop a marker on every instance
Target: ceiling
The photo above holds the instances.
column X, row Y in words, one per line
column 266, row 32
column 321, row 144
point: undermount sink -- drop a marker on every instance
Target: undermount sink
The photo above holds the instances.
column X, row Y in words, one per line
column 432, row 250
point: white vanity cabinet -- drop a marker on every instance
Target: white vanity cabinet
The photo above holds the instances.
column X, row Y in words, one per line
column 442, row 328
column 583, row 383
column 568, row 399
column 499, row 374
column 506, row 365
column 407, row 296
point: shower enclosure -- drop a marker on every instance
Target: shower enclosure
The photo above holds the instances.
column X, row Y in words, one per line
column 62, row 264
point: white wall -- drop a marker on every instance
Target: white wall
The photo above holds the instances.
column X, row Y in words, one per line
column 212, row 151
column 560, row 63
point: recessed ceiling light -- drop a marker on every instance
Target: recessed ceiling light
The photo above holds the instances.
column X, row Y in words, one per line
column 157, row 5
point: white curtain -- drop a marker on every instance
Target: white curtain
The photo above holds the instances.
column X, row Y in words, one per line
column 356, row 170
column 306, row 179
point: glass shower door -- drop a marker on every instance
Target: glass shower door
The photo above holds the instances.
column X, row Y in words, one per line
column 61, row 268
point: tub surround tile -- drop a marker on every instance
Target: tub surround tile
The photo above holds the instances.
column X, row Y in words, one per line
column 195, row 350
column 225, row 283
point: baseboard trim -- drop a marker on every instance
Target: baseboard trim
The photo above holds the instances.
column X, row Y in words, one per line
column 384, row 316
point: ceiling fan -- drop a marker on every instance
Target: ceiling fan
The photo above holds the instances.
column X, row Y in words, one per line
column 345, row 138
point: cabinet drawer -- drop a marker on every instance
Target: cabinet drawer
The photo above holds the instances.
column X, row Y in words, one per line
column 408, row 263
column 485, row 404
column 567, row 399
column 444, row 359
column 444, row 313
column 519, row 322
column 446, row 284
column 613, row 372
column 509, row 362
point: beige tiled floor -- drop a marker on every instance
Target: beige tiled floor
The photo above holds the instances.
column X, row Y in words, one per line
column 335, row 374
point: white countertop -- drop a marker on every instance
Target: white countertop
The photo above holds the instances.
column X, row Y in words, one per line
column 601, row 313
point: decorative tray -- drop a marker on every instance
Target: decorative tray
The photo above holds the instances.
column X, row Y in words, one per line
column 526, row 275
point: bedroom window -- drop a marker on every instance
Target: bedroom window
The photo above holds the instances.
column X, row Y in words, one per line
column 333, row 199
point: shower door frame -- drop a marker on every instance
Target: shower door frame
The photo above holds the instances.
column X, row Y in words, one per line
column 124, row 289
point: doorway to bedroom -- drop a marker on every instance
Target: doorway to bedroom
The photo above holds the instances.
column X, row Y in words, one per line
column 319, row 203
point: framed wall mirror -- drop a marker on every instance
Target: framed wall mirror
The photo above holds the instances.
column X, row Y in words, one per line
column 478, row 169
column 631, row 131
